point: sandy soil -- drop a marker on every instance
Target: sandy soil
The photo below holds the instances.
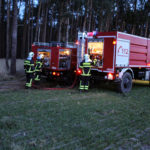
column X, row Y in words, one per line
column 8, row 82
column 12, row 84
column 4, row 73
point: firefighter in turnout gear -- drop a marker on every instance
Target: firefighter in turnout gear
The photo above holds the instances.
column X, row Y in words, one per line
column 29, row 69
column 85, row 65
column 38, row 68
column 95, row 61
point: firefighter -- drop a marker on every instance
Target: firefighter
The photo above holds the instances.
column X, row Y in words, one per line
column 95, row 61
column 29, row 69
column 85, row 65
column 38, row 68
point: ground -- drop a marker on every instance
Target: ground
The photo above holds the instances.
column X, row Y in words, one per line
column 69, row 120
column 4, row 73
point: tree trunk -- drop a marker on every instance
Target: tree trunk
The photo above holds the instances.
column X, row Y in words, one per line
column 90, row 15
column 24, row 32
column 60, row 22
column 8, row 33
column 134, row 18
column 107, row 22
column 85, row 17
column 93, row 24
column 0, row 11
column 146, row 29
column 32, row 23
column 141, row 30
column 29, row 12
column 133, row 29
column 73, row 24
column 59, row 31
column 123, row 26
column 37, row 22
column 45, row 25
column 67, row 30
column 100, row 26
column 2, row 27
column 51, row 30
column 84, row 24
column 14, row 38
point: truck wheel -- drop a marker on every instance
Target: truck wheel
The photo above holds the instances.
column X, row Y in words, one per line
column 125, row 85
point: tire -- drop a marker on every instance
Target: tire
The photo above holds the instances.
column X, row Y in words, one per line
column 125, row 85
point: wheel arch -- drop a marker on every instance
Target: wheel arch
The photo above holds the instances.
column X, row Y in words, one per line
column 121, row 73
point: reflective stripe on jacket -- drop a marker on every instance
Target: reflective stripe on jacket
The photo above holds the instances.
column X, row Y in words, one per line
column 38, row 65
column 29, row 66
column 86, row 68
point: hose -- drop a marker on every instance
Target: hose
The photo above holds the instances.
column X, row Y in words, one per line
column 70, row 87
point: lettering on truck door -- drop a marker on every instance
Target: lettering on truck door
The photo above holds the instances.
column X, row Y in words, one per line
column 122, row 53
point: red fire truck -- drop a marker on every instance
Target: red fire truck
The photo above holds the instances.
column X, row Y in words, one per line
column 120, row 57
column 60, row 59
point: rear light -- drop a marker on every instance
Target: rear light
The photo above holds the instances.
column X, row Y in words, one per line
column 77, row 42
column 114, row 42
column 110, row 76
column 117, row 75
column 148, row 64
column 58, row 74
column 54, row 73
column 79, row 72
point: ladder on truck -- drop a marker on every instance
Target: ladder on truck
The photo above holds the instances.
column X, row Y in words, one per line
column 81, row 47
column 56, row 44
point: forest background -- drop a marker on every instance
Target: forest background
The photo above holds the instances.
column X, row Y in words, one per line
column 23, row 22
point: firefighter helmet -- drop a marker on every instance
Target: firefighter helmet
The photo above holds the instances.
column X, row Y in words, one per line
column 40, row 56
column 86, row 57
column 31, row 55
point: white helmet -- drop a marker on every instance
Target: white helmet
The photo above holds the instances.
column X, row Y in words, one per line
column 40, row 56
column 31, row 54
column 86, row 57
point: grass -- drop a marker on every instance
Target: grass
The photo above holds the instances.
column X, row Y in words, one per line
column 68, row 120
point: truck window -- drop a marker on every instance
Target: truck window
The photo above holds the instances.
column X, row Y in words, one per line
column 95, row 50
column 64, row 58
column 47, row 56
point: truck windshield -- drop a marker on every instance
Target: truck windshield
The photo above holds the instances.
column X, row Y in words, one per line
column 64, row 58
column 95, row 50
column 47, row 56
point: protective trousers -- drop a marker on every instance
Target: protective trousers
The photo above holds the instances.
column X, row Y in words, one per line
column 84, row 82
column 37, row 75
column 29, row 79
column 29, row 70
column 38, row 69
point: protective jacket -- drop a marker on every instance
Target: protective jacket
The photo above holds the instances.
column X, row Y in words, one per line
column 86, row 68
column 38, row 69
column 29, row 66
column 95, row 61
column 39, row 65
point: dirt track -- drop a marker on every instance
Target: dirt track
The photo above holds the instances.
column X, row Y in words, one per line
column 19, row 83
column 12, row 84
